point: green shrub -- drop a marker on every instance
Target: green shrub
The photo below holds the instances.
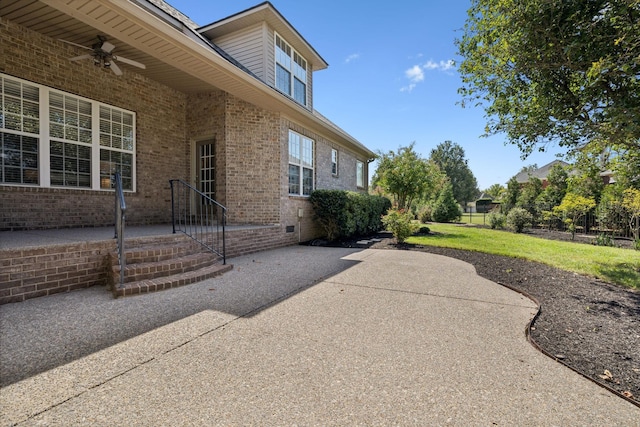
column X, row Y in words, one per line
column 497, row 220
column 636, row 244
column 344, row 213
column 445, row 208
column 604, row 239
column 518, row 219
column 365, row 213
column 423, row 230
column 425, row 214
column 400, row 223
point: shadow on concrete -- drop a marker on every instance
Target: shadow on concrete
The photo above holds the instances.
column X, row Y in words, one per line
column 42, row 333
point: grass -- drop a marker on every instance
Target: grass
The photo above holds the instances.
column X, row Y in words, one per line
column 614, row 265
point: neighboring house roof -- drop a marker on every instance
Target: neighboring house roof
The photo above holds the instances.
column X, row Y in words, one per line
column 175, row 53
column 540, row 173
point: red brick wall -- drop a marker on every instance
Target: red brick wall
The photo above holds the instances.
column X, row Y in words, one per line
column 161, row 145
column 33, row 272
column 253, row 148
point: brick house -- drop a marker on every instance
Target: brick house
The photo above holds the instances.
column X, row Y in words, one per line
column 227, row 107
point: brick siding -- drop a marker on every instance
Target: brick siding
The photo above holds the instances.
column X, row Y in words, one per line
column 160, row 150
column 34, row 272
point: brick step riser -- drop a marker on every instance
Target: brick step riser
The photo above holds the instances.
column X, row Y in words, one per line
column 174, row 281
column 149, row 271
column 163, row 253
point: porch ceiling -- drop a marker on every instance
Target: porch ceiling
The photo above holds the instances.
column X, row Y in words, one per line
column 174, row 55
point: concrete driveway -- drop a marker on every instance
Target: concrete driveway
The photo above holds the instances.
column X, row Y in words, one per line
column 295, row 336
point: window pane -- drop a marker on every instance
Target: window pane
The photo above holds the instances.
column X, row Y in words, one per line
column 70, row 164
column 66, row 120
column 334, row 161
column 299, row 92
column 307, row 152
column 359, row 174
column 299, row 67
column 283, row 80
column 294, row 147
column 294, row 179
column 18, row 159
column 307, row 181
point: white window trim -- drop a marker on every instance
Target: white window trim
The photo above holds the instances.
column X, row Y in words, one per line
column 291, row 70
column 44, row 144
column 301, row 165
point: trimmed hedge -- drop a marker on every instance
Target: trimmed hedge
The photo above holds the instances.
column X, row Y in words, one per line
column 347, row 213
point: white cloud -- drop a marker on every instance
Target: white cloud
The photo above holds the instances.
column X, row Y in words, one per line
column 442, row 65
column 415, row 74
column 352, row 57
column 407, row 88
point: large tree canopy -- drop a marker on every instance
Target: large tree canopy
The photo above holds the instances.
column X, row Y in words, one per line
column 451, row 160
column 404, row 175
column 555, row 70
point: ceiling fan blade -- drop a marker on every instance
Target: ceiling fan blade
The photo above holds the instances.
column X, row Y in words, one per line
column 114, row 67
column 78, row 58
column 129, row 61
column 107, row 47
column 75, row 44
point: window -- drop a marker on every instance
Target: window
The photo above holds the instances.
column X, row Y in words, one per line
column 300, row 164
column 19, row 132
column 334, row 162
column 291, row 71
column 77, row 143
column 359, row 174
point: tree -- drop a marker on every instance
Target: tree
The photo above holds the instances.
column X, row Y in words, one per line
column 511, row 194
column 556, row 187
column 450, row 158
column 586, row 180
column 403, row 175
column 631, row 203
column 495, row 191
column 445, row 208
column 573, row 207
column 554, row 70
column 529, row 195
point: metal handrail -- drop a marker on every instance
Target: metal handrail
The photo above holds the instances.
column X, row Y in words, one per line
column 198, row 216
column 121, row 208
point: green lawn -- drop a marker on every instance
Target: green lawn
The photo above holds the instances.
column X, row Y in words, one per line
column 615, row 265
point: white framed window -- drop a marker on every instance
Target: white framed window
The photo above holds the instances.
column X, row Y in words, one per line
column 359, row 174
column 291, row 71
column 300, row 164
column 50, row 138
column 334, row 162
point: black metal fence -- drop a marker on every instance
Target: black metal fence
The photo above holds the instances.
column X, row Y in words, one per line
column 605, row 218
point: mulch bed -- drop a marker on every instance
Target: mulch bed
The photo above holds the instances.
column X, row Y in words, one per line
column 589, row 325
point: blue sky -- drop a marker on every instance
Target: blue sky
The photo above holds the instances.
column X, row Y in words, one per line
column 391, row 79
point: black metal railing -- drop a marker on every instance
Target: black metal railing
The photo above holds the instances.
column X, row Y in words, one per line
column 121, row 208
column 199, row 217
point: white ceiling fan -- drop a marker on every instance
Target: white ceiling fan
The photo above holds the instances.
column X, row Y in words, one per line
column 102, row 55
